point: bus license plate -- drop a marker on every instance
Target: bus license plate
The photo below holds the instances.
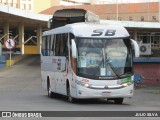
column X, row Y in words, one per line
column 105, row 94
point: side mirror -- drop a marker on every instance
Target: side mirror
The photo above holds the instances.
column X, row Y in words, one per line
column 136, row 48
column 74, row 49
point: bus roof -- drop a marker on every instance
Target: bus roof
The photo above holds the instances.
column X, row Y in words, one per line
column 69, row 13
column 90, row 30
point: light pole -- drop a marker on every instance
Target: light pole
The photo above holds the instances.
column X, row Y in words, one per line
column 148, row 11
column 117, row 9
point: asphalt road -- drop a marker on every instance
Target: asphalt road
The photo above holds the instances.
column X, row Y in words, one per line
column 21, row 90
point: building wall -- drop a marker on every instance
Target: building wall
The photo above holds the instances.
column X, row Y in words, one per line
column 55, row 2
column 26, row 5
column 35, row 6
column 21, row 4
column 150, row 72
column 147, row 12
column 40, row 5
column 151, row 17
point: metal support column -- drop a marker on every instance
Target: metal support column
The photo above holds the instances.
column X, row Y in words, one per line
column 21, row 37
column 6, row 30
column 39, row 38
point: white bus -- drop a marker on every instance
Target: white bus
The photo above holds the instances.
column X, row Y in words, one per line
column 83, row 60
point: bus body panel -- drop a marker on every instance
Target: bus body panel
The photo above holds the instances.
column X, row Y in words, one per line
column 83, row 93
column 54, row 68
column 101, row 88
column 91, row 30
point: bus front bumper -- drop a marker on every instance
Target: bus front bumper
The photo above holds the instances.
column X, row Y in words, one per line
column 125, row 92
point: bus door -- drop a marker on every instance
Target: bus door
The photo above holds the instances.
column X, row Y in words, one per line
column 61, row 53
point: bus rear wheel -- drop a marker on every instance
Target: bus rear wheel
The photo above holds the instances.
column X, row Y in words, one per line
column 50, row 93
column 118, row 100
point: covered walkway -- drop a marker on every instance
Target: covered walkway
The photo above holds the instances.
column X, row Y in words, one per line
column 24, row 27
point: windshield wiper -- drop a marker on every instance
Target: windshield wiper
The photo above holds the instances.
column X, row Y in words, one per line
column 112, row 67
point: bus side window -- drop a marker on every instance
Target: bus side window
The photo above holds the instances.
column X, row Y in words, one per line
column 65, row 45
column 73, row 61
column 53, row 45
column 57, row 45
column 48, row 45
column 71, row 36
column 62, row 45
column 43, row 46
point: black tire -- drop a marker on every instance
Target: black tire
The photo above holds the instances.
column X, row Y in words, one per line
column 50, row 93
column 69, row 97
column 118, row 100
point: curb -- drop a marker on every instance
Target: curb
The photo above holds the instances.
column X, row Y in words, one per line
column 14, row 61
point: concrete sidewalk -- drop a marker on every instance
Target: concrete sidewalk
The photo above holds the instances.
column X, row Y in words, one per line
column 150, row 89
column 15, row 59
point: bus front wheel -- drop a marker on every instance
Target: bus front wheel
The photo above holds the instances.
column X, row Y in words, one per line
column 69, row 97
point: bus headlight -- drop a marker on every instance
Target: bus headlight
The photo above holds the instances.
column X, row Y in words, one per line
column 125, row 84
column 86, row 85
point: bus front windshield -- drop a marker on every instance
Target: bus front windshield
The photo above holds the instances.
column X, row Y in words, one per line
column 101, row 58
